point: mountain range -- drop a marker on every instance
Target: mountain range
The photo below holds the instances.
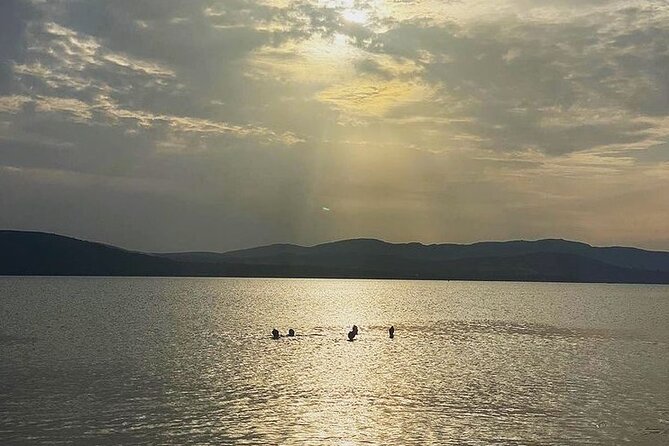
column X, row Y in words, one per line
column 550, row 260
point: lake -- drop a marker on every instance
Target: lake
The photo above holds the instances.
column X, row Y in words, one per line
column 97, row 361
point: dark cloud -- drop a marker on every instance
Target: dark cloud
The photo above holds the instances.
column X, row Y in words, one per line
column 195, row 36
column 14, row 15
column 658, row 153
column 510, row 79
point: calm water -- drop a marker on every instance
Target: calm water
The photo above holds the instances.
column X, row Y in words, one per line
column 190, row 361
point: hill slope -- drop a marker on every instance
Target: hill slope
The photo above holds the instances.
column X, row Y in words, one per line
column 37, row 253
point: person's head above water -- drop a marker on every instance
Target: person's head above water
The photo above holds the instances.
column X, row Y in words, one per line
column 291, row 332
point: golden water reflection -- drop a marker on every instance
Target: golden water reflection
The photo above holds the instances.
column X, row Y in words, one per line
column 191, row 361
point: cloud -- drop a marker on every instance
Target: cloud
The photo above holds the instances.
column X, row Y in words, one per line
column 70, row 76
column 371, row 96
column 13, row 103
column 14, row 16
column 518, row 85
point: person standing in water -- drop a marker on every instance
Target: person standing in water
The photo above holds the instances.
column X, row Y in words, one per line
column 391, row 331
column 291, row 332
column 353, row 333
column 275, row 334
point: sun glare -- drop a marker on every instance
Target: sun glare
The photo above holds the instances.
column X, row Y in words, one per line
column 355, row 16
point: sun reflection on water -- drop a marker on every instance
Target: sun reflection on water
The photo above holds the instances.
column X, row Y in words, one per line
column 191, row 361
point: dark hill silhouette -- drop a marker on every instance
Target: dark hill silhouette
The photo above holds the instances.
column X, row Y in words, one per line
column 34, row 253
column 37, row 253
column 362, row 250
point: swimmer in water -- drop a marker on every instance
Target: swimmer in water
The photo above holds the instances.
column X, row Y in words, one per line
column 353, row 333
column 275, row 334
column 291, row 332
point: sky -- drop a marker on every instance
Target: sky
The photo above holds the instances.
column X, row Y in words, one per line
column 167, row 125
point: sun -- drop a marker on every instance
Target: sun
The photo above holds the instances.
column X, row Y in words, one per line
column 355, row 16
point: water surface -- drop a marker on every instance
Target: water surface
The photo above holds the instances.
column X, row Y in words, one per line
column 191, row 361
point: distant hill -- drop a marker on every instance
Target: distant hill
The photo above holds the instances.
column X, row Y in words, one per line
column 364, row 248
column 35, row 253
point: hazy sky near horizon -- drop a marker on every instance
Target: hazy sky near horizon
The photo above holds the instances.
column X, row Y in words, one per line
column 214, row 125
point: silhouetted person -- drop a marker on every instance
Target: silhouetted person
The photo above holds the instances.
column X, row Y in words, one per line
column 291, row 332
column 275, row 333
column 391, row 331
column 353, row 333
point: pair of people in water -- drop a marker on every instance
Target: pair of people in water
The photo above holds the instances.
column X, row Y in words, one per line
column 276, row 335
